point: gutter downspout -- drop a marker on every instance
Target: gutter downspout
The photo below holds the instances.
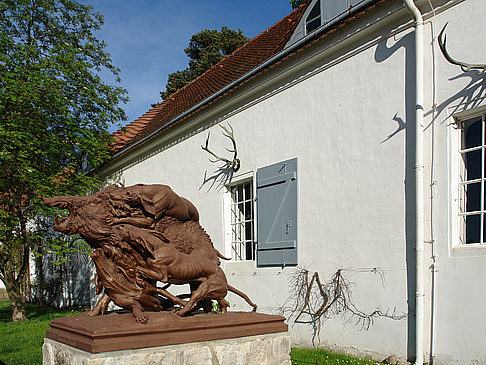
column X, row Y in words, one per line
column 279, row 56
column 419, row 178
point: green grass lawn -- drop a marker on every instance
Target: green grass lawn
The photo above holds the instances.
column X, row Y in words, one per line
column 305, row 356
column 21, row 343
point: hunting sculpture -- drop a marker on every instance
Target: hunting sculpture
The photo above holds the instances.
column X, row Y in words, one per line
column 141, row 235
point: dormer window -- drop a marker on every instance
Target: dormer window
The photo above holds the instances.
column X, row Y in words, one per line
column 313, row 20
column 324, row 12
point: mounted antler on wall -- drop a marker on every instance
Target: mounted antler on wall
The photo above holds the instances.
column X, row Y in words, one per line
column 229, row 165
column 464, row 66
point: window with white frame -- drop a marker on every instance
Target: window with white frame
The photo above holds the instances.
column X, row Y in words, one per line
column 242, row 242
column 472, row 209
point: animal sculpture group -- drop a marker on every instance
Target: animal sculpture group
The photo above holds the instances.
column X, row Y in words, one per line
column 142, row 235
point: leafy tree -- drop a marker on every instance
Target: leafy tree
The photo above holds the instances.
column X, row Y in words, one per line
column 54, row 115
column 296, row 3
column 205, row 49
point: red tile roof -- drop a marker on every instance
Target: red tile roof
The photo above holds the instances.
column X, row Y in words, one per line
column 240, row 62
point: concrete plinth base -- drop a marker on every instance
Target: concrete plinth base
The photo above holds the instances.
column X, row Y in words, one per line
column 234, row 338
column 269, row 349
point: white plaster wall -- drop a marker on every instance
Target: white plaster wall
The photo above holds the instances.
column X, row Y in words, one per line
column 355, row 183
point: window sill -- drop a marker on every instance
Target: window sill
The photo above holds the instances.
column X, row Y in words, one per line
column 469, row 250
column 248, row 264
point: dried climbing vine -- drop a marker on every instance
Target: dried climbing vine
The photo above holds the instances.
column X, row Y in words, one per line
column 312, row 301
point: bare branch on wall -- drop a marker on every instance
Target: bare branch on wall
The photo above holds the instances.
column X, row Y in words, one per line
column 312, row 301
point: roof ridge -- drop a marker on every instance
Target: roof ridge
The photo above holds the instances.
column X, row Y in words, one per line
column 232, row 53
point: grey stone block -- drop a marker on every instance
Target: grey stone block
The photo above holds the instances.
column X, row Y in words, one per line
column 268, row 349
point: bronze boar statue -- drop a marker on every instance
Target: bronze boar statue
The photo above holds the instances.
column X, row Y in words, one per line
column 141, row 235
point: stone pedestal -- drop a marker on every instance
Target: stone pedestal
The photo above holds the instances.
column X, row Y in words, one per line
column 234, row 338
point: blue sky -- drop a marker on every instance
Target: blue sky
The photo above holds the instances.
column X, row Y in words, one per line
column 146, row 38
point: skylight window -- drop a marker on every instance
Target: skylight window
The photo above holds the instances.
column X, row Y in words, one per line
column 313, row 20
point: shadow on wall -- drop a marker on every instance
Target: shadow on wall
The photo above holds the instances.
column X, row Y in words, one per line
column 401, row 126
column 382, row 53
column 217, row 180
column 224, row 174
column 472, row 95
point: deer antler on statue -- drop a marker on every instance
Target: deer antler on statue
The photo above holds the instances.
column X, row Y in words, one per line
column 464, row 66
column 234, row 164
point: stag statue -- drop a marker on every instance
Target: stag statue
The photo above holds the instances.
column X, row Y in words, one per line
column 141, row 235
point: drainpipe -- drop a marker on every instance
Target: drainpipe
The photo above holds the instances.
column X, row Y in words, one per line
column 419, row 178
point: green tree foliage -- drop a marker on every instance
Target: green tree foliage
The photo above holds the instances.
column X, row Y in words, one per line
column 205, row 49
column 54, row 115
column 296, row 3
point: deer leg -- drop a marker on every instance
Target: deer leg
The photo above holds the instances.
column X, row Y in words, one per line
column 172, row 297
column 223, row 304
column 150, row 289
column 101, row 306
column 199, row 294
column 205, row 304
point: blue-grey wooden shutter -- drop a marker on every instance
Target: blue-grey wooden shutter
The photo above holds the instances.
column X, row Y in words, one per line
column 277, row 214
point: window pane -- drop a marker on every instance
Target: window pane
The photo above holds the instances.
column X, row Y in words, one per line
column 473, row 168
column 248, row 210
column 249, row 250
column 248, row 231
column 240, row 193
column 242, row 221
column 484, row 228
column 472, row 133
column 248, row 193
column 462, row 238
column 472, row 164
column 241, row 216
column 316, row 11
column 316, row 23
column 236, row 251
column 472, row 228
column 240, row 233
column 473, row 197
